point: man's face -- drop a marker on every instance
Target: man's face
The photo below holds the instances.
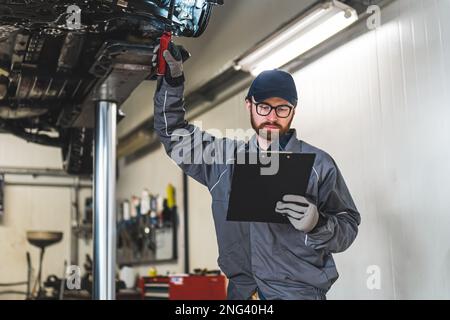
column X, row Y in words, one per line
column 272, row 123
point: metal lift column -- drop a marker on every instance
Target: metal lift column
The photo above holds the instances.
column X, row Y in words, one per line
column 105, row 201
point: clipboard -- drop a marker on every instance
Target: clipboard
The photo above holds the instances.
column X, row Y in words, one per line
column 253, row 196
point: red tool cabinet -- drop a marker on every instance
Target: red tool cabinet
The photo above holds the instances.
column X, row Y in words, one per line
column 197, row 287
column 184, row 287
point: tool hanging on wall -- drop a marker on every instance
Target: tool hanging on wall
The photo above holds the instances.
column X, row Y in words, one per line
column 2, row 182
column 171, row 202
column 159, row 210
column 153, row 212
column 145, row 202
column 135, row 206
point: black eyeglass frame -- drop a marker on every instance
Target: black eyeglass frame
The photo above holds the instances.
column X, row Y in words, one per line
column 257, row 104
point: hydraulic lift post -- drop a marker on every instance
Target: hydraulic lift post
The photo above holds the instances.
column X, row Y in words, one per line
column 125, row 72
column 105, row 201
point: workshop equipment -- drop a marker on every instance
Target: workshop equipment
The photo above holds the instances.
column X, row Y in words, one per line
column 2, row 182
column 171, row 202
column 208, row 286
column 42, row 239
column 105, row 220
column 154, row 288
column 145, row 202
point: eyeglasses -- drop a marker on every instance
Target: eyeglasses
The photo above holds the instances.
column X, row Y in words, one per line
column 264, row 109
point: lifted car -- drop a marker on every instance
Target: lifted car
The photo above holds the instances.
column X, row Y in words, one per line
column 58, row 57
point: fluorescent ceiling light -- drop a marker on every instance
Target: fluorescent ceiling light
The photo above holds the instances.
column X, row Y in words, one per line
column 300, row 36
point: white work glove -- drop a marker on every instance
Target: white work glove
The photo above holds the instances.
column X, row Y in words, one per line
column 175, row 56
column 302, row 214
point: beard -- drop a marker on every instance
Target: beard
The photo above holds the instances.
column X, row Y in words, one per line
column 267, row 132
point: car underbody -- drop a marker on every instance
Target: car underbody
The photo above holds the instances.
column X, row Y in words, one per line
column 58, row 57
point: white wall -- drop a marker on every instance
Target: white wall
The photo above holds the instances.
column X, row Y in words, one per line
column 380, row 105
column 31, row 208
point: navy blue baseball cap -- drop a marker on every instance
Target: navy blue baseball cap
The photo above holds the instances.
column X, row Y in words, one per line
column 271, row 84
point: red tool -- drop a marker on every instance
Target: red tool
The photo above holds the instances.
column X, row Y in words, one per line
column 163, row 46
column 165, row 41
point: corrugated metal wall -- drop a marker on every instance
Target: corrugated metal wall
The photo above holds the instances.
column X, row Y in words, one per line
column 381, row 106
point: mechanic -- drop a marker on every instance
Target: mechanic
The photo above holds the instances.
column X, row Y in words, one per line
column 274, row 261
